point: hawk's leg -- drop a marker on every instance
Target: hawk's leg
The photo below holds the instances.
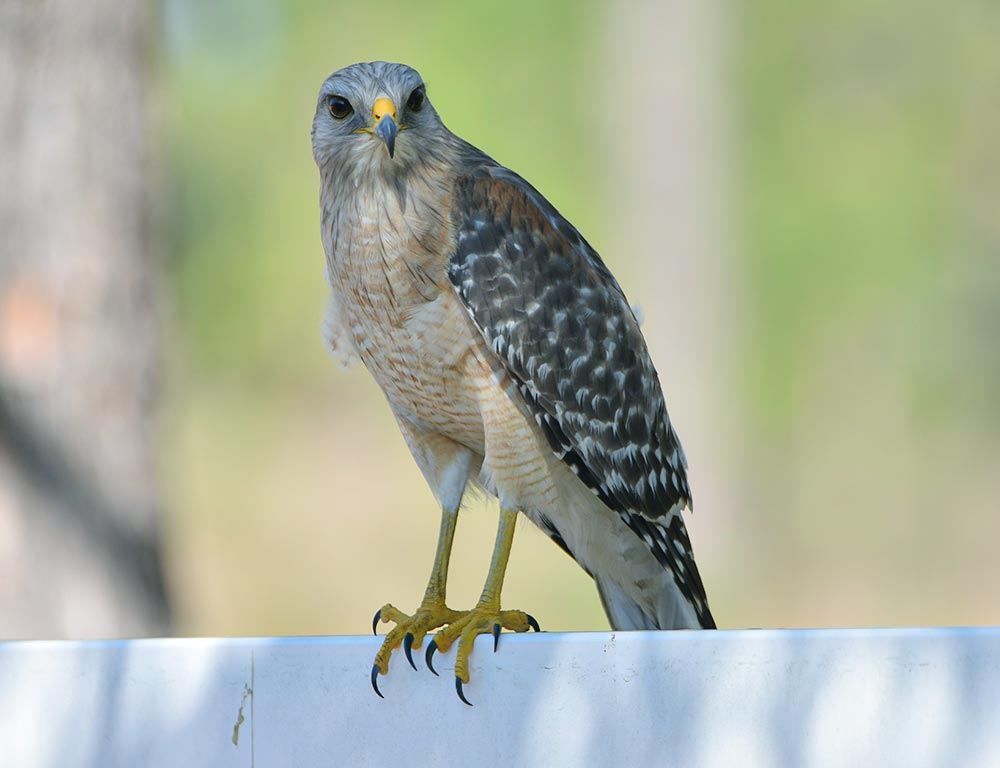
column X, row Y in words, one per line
column 432, row 613
column 486, row 617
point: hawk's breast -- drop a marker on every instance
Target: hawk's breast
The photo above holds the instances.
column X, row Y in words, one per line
column 410, row 329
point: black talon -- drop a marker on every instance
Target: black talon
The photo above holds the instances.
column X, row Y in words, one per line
column 431, row 649
column 378, row 615
column 532, row 623
column 408, row 648
column 461, row 694
column 496, row 637
column 375, row 681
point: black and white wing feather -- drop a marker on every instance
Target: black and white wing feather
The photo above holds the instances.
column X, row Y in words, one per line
column 557, row 319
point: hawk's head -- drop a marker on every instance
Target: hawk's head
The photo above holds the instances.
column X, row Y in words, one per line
column 374, row 115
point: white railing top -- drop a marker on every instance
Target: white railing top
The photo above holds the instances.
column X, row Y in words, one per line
column 885, row 697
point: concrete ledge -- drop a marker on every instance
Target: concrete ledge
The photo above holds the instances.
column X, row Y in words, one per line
column 888, row 697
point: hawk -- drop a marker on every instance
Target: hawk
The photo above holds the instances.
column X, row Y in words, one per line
column 509, row 357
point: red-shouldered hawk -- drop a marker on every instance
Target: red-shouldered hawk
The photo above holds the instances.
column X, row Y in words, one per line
column 509, row 357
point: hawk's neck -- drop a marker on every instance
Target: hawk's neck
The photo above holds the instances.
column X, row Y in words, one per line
column 388, row 242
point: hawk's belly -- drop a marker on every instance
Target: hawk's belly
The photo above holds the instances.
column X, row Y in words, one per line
column 425, row 362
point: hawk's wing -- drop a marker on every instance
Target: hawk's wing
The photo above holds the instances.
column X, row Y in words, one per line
column 557, row 319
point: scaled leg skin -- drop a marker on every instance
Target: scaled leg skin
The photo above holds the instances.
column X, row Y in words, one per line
column 432, row 613
column 486, row 617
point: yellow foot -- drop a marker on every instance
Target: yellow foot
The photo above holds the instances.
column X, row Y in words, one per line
column 409, row 631
column 485, row 618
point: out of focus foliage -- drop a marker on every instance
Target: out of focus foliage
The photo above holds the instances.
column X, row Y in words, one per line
column 870, row 204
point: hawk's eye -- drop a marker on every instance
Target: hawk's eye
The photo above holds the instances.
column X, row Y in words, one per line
column 340, row 107
column 416, row 101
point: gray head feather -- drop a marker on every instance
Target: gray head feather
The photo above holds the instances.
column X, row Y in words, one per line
column 345, row 148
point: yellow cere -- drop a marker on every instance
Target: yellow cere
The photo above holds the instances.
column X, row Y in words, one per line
column 383, row 107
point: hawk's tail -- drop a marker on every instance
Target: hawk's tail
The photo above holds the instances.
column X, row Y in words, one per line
column 673, row 610
column 676, row 598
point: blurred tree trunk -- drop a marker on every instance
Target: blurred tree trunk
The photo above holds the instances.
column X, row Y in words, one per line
column 670, row 193
column 79, row 347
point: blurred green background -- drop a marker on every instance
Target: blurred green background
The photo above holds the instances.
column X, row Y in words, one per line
column 804, row 198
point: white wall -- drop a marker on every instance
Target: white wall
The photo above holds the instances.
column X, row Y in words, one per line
column 737, row 698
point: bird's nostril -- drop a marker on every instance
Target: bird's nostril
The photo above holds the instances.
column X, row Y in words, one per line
column 383, row 107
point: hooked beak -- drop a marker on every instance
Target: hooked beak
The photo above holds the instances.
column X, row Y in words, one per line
column 384, row 114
